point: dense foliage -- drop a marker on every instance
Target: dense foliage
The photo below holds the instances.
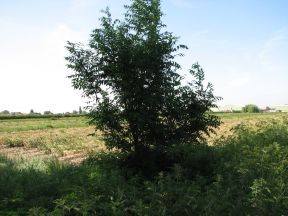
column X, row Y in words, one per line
column 142, row 105
column 244, row 174
column 251, row 108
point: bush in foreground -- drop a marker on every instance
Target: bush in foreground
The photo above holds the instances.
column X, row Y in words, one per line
column 244, row 174
column 142, row 104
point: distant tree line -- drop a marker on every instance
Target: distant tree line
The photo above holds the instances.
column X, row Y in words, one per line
column 251, row 108
column 6, row 114
column 30, row 116
column 47, row 112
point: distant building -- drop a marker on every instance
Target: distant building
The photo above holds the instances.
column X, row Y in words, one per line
column 267, row 109
column 281, row 108
column 5, row 112
column 227, row 108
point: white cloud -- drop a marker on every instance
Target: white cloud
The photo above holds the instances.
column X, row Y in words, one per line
column 33, row 72
column 274, row 52
column 53, row 43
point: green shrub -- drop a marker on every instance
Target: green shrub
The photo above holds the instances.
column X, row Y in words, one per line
column 14, row 142
column 254, row 169
column 140, row 101
column 251, row 108
column 244, row 174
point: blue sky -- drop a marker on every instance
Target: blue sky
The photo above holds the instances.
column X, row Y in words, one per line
column 241, row 44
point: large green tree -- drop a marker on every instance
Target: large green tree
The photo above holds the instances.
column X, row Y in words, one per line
column 139, row 100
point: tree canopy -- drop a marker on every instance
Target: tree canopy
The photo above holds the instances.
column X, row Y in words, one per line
column 137, row 96
column 251, row 108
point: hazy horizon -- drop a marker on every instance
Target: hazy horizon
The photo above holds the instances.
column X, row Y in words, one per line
column 241, row 45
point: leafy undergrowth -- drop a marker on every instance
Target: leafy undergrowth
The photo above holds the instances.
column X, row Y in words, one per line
column 244, row 174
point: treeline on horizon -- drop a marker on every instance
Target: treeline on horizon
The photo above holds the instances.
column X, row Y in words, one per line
column 39, row 115
column 6, row 115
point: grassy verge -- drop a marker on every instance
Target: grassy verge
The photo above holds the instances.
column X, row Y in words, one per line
column 14, row 125
column 242, row 174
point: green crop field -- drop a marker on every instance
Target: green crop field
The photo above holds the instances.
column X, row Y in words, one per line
column 13, row 125
column 60, row 167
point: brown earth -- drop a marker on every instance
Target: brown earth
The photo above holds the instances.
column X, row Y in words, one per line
column 25, row 152
column 70, row 145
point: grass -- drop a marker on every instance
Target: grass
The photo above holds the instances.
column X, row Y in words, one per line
column 60, row 137
column 13, row 125
column 244, row 172
column 59, row 142
column 250, row 116
column 27, row 183
column 231, row 120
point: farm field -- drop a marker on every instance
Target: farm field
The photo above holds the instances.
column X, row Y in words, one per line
column 15, row 125
column 45, row 169
column 231, row 120
column 74, row 133
column 71, row 139
column 68, row 138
